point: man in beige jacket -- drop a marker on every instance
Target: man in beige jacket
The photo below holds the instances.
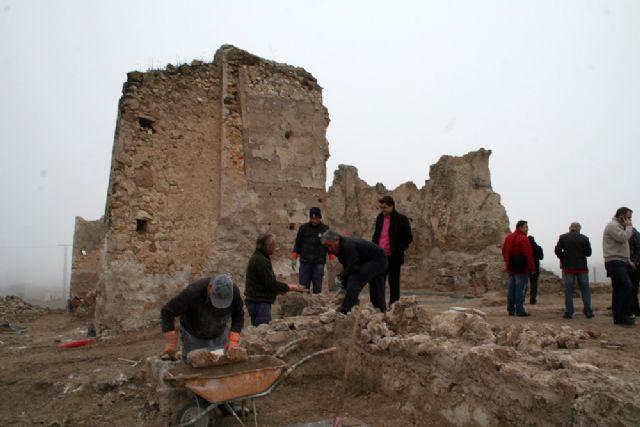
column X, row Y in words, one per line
column 615, row 247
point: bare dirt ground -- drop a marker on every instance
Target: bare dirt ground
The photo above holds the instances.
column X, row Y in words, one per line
column 106, row 383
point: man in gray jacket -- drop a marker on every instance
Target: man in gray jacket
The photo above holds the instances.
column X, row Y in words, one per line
column 615, row 247
column 573, row 249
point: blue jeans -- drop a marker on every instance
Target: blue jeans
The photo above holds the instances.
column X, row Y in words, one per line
column 622, row 290
column 312, row 273
column 190, row 342
column 516, row 288
column 583, row 282
column 260, row 312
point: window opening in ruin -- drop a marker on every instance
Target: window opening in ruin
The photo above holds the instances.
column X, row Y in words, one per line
column 141, row 225
column 292, row 226
column 146, row 124
column 288, row 134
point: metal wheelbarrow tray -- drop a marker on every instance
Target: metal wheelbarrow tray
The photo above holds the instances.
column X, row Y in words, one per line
column 247, row 380
column 230, row 382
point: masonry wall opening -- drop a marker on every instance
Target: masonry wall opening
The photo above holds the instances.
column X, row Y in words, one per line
column 146, row 124
column 142, row 225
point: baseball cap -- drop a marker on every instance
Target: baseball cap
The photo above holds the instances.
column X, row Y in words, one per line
column 222, row 290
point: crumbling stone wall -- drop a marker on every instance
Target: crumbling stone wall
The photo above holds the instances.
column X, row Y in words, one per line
column 206, row 156
column 88, row 242
column 457, row 220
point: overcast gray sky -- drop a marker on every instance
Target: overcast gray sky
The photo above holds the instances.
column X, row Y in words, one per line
column 551, row 87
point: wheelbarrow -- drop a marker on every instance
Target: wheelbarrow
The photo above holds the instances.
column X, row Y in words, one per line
column 234, row 383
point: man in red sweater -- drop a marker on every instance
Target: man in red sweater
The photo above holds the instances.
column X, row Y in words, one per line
column 518, row 259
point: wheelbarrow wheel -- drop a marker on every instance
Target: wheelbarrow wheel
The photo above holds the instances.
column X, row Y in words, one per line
column 189, row 411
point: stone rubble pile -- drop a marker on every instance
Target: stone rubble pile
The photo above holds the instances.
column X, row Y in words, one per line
column 457, row 367
column 13, row 307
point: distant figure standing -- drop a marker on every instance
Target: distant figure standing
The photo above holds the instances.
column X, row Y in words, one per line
column 615, row 248
column 309, row 249
column 634, row 269
column 538, row 254
column 518, row 258
column 393, row 235
column 573, row 249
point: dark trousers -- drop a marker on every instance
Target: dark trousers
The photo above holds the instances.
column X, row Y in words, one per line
column 622, row 290
column 635, row 281
column 371, row 272
column 533, row 291
column 312, row 273
column 260, row 312
column 393, row 276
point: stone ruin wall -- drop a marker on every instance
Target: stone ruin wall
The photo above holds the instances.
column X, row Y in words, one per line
column 206, row 156
column 457, row 220
column 88, row 241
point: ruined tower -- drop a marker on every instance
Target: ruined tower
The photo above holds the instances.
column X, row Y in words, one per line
column 206, row 156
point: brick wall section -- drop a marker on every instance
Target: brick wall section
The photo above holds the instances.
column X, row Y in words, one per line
column 165, row 154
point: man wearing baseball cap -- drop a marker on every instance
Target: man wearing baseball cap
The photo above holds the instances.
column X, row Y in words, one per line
column 205, row 308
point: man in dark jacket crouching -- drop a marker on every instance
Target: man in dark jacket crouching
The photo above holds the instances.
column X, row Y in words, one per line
column 362, row 262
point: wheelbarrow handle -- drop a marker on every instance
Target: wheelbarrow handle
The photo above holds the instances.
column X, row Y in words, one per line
column 285, row 349
column 292, row 368
column 307, row 358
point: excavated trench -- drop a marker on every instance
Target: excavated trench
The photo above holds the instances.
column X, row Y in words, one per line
column 453, row 367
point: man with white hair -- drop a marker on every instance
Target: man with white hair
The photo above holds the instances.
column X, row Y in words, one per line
column 261, row 286
column 573, row 249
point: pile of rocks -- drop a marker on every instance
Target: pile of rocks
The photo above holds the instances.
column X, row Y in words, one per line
column 13, row 308
column 457, row 368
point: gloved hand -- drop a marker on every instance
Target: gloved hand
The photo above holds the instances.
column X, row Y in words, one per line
column 171, row 346
column 232, row 342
